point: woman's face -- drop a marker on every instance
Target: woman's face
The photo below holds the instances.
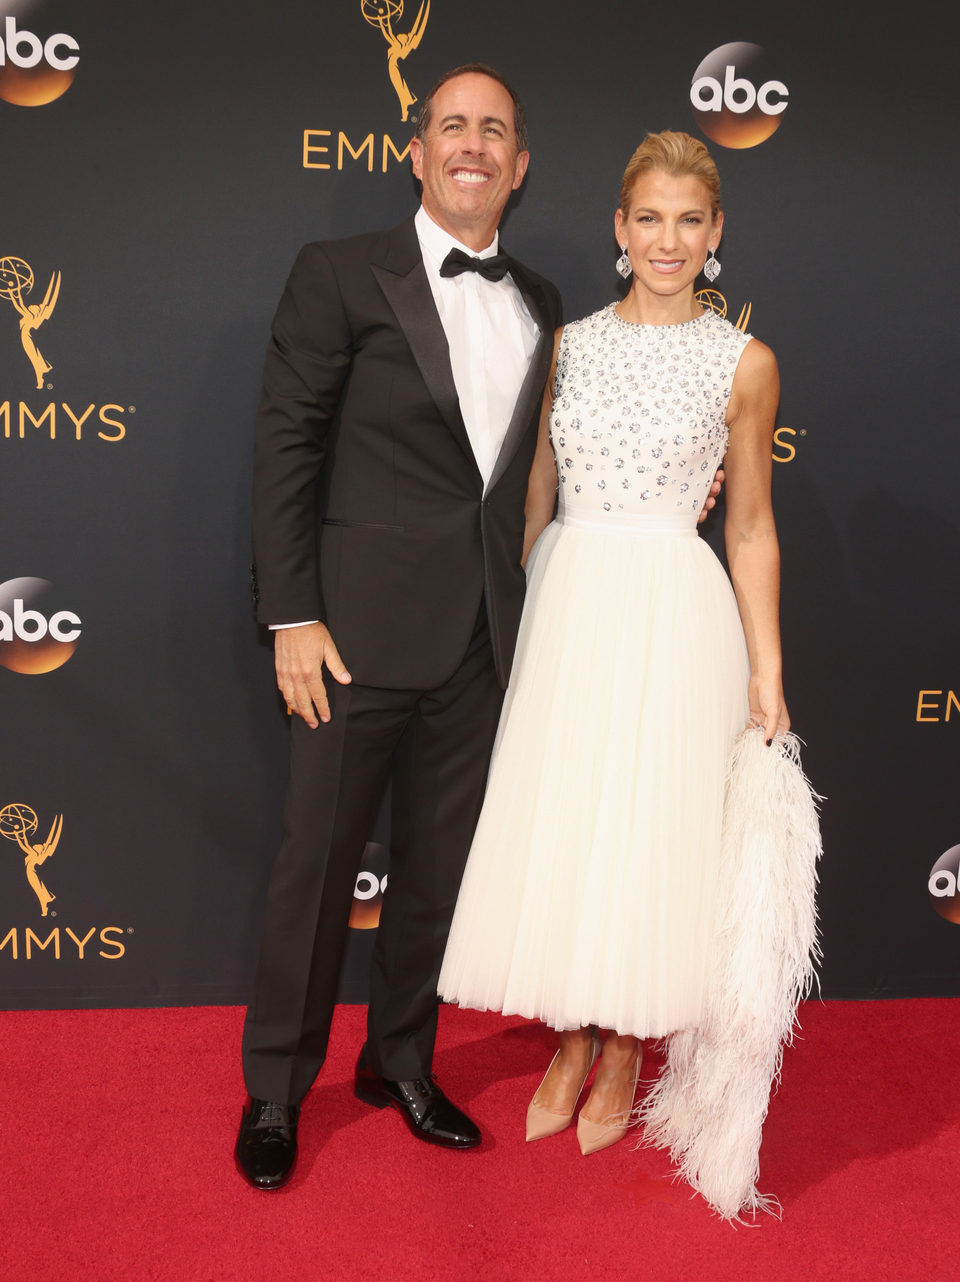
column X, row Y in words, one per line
column 668, row 231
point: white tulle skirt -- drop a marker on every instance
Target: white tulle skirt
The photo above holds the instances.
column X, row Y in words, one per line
column 590, row 894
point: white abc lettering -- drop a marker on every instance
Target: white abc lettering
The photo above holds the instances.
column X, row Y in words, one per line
column 732, row 87
column 15, row 41
column 63, row 41
column 27, row 625
column 367, row 886
column 57, row 629
column 942, row 884
column 764, row 95
column 715, row 100
column 30, row 625
column 25, row 50
column 738, row 94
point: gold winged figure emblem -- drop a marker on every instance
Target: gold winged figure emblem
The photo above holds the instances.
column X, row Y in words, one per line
column 19, row 823
column 382, row 14
column 16, row 279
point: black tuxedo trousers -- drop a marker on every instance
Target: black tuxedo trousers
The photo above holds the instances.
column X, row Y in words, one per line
column 434, row 747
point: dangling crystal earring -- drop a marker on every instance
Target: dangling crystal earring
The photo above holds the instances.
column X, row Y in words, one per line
column 711, row 268
column 623, row 263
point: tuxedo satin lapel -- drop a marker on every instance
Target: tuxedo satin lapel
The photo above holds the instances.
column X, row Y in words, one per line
column 405, row 286
column 531, row 389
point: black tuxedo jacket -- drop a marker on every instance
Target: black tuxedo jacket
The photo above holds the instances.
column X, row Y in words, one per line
column 369, row 511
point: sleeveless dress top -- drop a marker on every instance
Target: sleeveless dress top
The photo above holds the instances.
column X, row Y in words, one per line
column 638, row 416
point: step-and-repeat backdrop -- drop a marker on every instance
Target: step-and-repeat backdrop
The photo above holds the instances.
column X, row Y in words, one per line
column 162, row 164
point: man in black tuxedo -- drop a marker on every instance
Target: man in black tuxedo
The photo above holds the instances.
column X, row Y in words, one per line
column 394, row 439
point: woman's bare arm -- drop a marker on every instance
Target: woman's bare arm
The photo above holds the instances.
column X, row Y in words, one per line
column 753, row 552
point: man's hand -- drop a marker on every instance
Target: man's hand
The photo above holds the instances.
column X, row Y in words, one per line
column 715, row 489
column 300, row 655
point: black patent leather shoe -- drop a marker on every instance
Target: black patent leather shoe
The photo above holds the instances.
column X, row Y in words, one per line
column 267, row 1143
column 422, row 1105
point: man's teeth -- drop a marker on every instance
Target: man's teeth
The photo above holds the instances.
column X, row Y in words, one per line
column 470, row 176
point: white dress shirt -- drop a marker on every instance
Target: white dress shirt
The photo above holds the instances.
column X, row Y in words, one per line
column 491, row 337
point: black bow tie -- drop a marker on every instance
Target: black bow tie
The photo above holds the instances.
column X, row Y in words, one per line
column 493, row 268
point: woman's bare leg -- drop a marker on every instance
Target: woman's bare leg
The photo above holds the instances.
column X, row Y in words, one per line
column 611, row 1098
column 559, row 1089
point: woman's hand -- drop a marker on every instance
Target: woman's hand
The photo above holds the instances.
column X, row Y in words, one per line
column 716, row 485
column 768, row 707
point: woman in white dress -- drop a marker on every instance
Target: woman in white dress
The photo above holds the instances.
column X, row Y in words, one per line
column 589, row 896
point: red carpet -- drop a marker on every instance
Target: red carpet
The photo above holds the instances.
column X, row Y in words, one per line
column 118, row 1128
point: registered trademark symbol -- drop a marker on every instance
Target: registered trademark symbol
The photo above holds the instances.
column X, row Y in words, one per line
column 803, row 431
column 53, row 914
column 131, row 409
column 129, row 930
column 49, row 387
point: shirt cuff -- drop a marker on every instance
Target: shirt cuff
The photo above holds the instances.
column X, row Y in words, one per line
column 279, row 627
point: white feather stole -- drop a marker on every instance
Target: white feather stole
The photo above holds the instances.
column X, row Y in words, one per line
column 709, row 1105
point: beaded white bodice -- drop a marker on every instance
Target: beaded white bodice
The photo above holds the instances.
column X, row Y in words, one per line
column 638, row 414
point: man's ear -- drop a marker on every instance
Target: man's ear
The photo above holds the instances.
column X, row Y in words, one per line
column 416, row 157
column 520, row 168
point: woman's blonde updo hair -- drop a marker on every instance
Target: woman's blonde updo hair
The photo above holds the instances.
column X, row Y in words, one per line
column 674, row 153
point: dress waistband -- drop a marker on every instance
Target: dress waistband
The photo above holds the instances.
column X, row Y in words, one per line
column 659, row 525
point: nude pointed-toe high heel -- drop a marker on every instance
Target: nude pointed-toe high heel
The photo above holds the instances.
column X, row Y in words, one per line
column 593, row 1136
column 542, row 1122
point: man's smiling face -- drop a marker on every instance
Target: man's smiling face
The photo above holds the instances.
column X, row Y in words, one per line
column 468, row 161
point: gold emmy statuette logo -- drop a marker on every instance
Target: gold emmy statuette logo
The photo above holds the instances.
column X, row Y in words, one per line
column 16, row 279
column 381, row 14
column 713, row 299
column 19, row 823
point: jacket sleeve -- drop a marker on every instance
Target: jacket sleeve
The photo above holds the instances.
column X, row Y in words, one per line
column 554, row 303
column 307, row 362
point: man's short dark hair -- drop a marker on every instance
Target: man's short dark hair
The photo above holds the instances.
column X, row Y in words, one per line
column 476, row 69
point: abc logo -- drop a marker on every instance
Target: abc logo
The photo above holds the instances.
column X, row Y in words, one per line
column 33, row 640
column 371, row 883
column 942, row 885
column 35, row 70
column 734, row 102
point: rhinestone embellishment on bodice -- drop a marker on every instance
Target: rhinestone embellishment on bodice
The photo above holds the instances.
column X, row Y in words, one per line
column 638, row 413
